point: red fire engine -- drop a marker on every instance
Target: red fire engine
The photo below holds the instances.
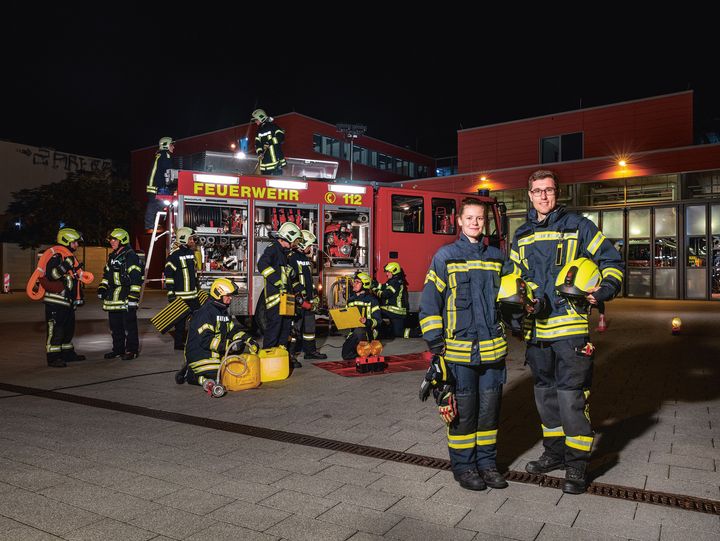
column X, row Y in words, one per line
column 359, row 227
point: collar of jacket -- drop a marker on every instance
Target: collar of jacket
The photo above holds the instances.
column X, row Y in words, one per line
column 466, row 244
column 119, row 251
column 555, row 215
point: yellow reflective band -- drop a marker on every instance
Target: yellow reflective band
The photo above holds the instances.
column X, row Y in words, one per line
column 430, row 322
column 595, row 243
column 612, row 272
column 484, row 265
column 169, row 264
column 570, row 330
column 488, row 437
column 267, row 272
column 214, row 343
column 206, row 327
column 308, row 337
column 134, row 288
column 552, row 432
column 450, row 306
column 465, row 441
column 457, row 267
column 135, row 267
column 583, row 443
column 533, row 285
column 515, row 256
column 571, row 250
column 493, row 349
column 435, row 279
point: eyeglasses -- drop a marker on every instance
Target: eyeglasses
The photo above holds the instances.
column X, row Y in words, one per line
column 547, row 191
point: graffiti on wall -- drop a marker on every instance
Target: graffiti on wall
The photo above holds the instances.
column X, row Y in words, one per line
column 48, row 157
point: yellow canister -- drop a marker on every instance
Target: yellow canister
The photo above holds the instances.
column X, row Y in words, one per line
column 274, row 364
column 240, row 372
column 287, row 305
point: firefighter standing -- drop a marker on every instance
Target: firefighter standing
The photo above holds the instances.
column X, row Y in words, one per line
column 279, row 278
column 369, row 308
column 394, row 302
column 268, row 143
column 459, row 322
column 158, row 181
column 120, row 292
column 211, row 331
column 558, row 350
column 63, row 295
column 307, row 299
column 181, row 278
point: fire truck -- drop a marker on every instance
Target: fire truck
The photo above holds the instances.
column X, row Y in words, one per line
column 360, row 227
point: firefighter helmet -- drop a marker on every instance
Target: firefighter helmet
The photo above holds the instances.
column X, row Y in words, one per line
column 259, row 115
column 68, row 235
column 120, row 234
column 165, row 143
column 222, row 287
column 183, row 235
column 578, row 278
column 393, row 268
column 307, row 240
column 365, row 278
column 290, row 232
column 514, row 291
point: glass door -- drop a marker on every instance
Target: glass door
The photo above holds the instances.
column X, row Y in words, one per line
column 613, row 227
column 715, row 270
column 696, row 252
column 638, row 274
column 665, row 253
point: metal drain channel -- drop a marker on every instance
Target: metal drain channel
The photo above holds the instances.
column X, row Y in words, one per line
column 688, row 503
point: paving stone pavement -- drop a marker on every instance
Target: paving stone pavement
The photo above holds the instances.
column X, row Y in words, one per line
column 77, row 472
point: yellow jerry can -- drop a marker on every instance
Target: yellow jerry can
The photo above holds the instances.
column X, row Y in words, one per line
column 287, row 305
column 240, row 372
column 274, row 364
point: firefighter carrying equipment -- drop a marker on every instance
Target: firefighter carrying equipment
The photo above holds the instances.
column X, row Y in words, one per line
column 541, row 249
column 268, row 144
column 165, row 142
column 178, row 309
column 68, row 235
column 435, row 377
column 184, row 234
column 122, row 280
column 290, row 232
column 457, row 306
column 38, row 282
column 120, row 235
column 181, row 272
column 578, row 278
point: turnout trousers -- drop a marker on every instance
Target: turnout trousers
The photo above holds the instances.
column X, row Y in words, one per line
column 124, row 331
column 562, row 378
column 60, row 325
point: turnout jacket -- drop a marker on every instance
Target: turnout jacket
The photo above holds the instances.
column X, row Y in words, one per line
column 158, row 179
column 369, row 308
column 122, row 280
column 458, row 302
column 61, row 285
column 541, row 249
column 210, row 333
column 393, row 296
column 302, row 267
column 181, row 274
column 269, row 133
column 278, row 273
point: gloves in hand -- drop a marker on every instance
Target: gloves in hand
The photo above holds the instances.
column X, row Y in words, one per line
column 447, row 405
column 436, row 375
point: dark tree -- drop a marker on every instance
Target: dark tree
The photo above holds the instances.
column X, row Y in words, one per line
column 93, row 202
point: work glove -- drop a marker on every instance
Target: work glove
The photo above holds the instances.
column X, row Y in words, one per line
column 435, row 376
column 253, row 346
column 315, row 304
column 436, row 346
column 447, row 404
column 604, row 293
column 302, row 303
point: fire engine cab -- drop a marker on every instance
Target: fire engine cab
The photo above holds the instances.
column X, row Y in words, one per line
column 358, row 226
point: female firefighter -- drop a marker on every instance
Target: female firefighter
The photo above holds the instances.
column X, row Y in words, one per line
column 369, row 309
column 459, row 322
column 211, row 331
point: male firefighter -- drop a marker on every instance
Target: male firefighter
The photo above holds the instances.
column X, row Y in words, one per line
column 307, row 299
column 63, row 294
column 181, row 278
column 120, row 292
column 211, row 331
column 158, row 181
column 279, row 279
column 394, row 302
column 459, row 322
column 268, row 143
column 369, row 308
column 558, row 349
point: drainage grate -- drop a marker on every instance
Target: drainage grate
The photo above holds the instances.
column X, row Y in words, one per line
column 680, row 501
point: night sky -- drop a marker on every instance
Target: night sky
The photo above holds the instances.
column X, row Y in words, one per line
column 101, row 85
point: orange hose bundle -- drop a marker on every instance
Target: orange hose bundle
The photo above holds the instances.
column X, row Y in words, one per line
column 34, row 288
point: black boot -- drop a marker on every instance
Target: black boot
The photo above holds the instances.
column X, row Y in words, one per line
column 111, row 355
column 57, row 363
column 315, row 355
column 575, row 482
column 470, row 479
column 129, row 356
column 546, row 463
column 493, row 478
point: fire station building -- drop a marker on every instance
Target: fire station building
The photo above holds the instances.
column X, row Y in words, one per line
column 631, row 167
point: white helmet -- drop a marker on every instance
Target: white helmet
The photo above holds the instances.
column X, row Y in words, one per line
column 184, row 234
column 290, row 232
column 259, row 114
column 308, row 239
column 165, row 143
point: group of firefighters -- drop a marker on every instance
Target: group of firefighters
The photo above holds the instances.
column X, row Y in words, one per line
column 559, row 266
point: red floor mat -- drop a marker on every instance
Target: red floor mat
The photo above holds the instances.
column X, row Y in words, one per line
column 396, row 363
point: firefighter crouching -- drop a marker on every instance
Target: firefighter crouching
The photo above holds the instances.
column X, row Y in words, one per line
column 210, row 332
column 120, row 292
column 394, row 304
column 548, row 249
column 369, row 308
column 279, row 279
column 63, row 294
column 181, row 279
column 460, row 325
column 307, row 299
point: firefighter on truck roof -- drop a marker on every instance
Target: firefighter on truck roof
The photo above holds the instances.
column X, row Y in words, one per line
column 268, row 144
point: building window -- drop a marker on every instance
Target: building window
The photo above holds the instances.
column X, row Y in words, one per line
column 513, row 199
column 408, row 214
column 443, row 216
column 561, row 148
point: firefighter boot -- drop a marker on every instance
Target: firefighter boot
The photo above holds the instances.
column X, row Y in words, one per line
column 315, row 355
column 575, row 482
column 493, row 478
column 111, row 355
column 470, row 479
column 294, row 363
column 546, row 463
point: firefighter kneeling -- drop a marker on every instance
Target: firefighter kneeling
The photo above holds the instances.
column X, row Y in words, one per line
column 211, row 331
column 369, row 308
